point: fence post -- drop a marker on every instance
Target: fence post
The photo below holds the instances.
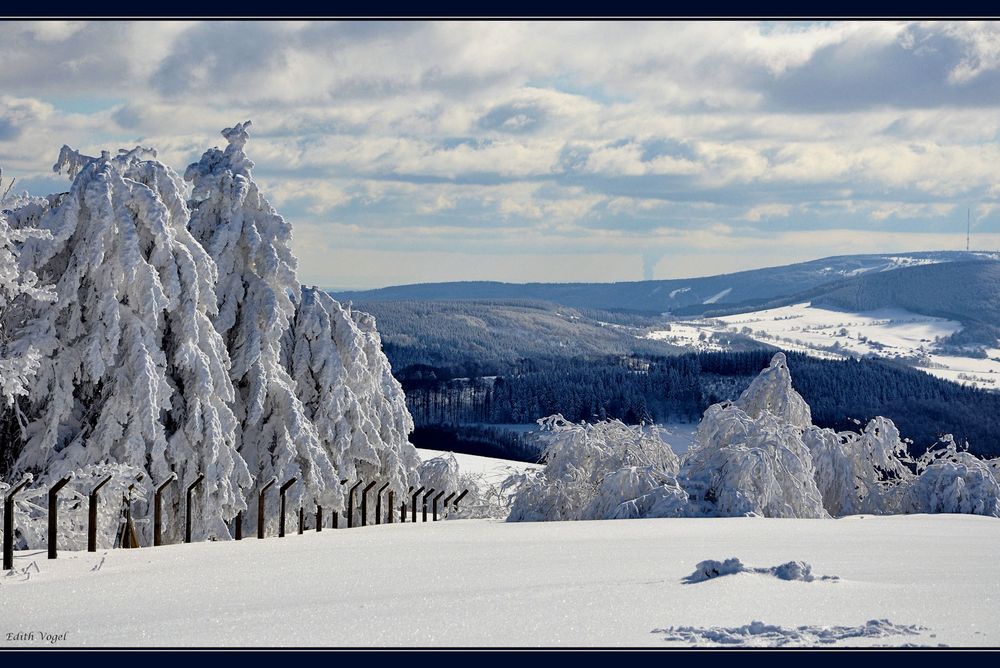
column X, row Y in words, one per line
column 391, row 508
column 8, row 523
column 413, row 504
column 364, row 502
column 402, row 507
column 378, row 504
column 281, row 492
column 260, row 507
column 446, row 500
column 187, row 507
column 302, row 521
column 435, row 502
column 350, row 504
column 460, row 497
column 426, row 494
column 53, row 514
column 319, row 518
column 92, row 515
column 158, row 510
column 239, row 525
column 335, row 516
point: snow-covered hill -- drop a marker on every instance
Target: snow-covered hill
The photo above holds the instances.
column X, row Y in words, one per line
column 934, row 579
column 890, row 333
column 693, row 294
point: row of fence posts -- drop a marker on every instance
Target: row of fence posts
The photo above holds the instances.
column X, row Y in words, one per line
column 94, row 499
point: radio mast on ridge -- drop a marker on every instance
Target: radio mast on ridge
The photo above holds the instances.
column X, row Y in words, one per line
column 968, row 228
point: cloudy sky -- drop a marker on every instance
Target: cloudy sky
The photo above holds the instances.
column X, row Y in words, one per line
column 543, row 151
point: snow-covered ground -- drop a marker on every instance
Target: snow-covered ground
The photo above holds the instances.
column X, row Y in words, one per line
column 831, row 334
column 932, row 579
column 488, row 468
column 680, row 435
column 692, row 335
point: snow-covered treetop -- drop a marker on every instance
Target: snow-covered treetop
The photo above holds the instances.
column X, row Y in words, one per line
column 772, row 391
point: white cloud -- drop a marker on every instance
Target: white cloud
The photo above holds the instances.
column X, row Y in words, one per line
column 711, row 139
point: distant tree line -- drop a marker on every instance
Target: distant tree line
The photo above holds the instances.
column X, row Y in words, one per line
column 660, row 389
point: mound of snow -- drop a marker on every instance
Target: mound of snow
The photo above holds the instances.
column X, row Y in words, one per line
column 790, row 570
column 759, row 634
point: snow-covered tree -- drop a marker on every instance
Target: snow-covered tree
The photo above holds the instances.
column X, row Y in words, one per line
column 19, row 285
column 954, row 481
column 772, row 392
column 860, row 473
column 593, row 470
column 742, row 465
column 346, row 386
column 132, row 370
column 749, row 456
column 251, row 244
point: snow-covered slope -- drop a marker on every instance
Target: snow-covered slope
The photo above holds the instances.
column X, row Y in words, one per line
column 891, row 333
column 753, row 286
column 935, row 579
column 490, row 469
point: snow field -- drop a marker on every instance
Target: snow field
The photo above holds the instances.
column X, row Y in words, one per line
column 489, row 583
column 888, row 333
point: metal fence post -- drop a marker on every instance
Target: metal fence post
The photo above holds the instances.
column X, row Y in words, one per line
column 413, row 504
column 260, row 507
column 460, row 497
column 158, row 510
column 378, row 504
column 350, row 504
column 8, row 523
column 187, row 507
column 391, row 509
column 364, row 502
column 54, row 513
column 92, row 515
column 446, row 500
column 319, row 518
column 402, row 507
column 435, row 502
column 281, row 492
column 335, row 515
column 302, row 521
column 426, row 494
column 238, row 522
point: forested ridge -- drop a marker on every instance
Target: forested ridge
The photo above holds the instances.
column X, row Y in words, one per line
column 659, row 389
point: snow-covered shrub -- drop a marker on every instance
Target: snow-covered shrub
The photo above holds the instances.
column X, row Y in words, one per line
column 593, row 469
column 638, row 491
column 439, row 474
column 31, row 510
column 860, row 473
column 954, row 481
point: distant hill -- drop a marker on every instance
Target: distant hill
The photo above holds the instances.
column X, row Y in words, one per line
column 966, row 291
column 475, row 338
column 744, row 288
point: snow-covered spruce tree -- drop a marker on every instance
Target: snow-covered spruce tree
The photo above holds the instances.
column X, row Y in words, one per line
column 749, row 456
column 251, row 244
column 19, row 292
column 346, row 386
column 132, row 370
column 599, row 471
